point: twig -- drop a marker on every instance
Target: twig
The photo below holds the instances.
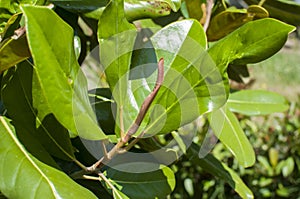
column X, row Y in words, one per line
column 121, row 122
column 261, row 2
column 113, row 188
column 147, row 102
column 134, row 127
column 103, row 146
column 209, row 8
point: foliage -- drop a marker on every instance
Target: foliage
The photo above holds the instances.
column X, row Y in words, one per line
column 275, row 174
column 158, row 77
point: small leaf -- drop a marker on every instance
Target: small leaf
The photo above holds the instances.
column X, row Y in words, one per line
column 13, row 51
column 23, row 176
column 273, row 156
column 256, row 102
column 215, row 167
column 288, row 167
column 227, row 128
column 229, row 20
column 62, row 84
column 284, row 10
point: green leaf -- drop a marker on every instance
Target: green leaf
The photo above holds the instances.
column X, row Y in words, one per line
column 18, row 100
column 138, row 185
column 227, row 21
column 256, row 102
column 215, row 167
column 80, row 6
column 63, row 87
column 251, row 43
column 134, row 9
column 23, row 176
column 140, row 9
column 13, row 51
column 116, row 38
column 288, row 167
column 194, row 8
column 227, row 128
column 192, row 84
column 285, row 10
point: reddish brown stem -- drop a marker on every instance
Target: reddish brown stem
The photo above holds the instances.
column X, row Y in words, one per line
column 134, row 127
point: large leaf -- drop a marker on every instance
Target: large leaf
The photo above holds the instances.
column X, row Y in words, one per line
column 253, row 42
column 63, row 87
column 138, row 185
column 23, row 176
column 193, row 84
column 17, row 98
column 116, row 38
column 13, row 51
column 228, row 130
column 285, row 10
column 256, row 102
column 215, row 167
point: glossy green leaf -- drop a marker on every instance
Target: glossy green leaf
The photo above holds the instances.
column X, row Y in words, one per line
column 215, row 167
column 192, row 84
column 138, row 185
column 285, row 10
column 134, row 9
column 116, row 38
column 62, row 84
column 229, row 20
column 18, row 100
column 253, row 42
column 194, row 8
column 227, row 128
column 13, row 51
column 23, row 176
column 139, row 9
column 256, row 102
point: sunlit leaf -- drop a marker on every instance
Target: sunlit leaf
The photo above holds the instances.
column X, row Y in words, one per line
column 192, row 84
column 253, row 42
column 23, row 176
column 227, row 128
column 256, row 102
column 62, row 84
